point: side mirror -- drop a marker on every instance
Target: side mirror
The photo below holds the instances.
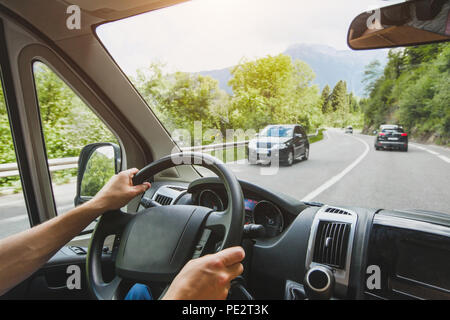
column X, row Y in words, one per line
column 97, row 163
column 375, row 132
column 405, row 24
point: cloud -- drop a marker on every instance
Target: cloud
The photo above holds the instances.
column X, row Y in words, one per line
column 211, row 34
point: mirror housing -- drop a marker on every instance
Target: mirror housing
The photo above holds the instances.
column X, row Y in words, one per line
column 106, row 159
column 410, row 23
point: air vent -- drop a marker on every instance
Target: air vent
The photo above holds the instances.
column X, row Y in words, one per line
column 331, row 243
column 163, row 200
column 338, row 211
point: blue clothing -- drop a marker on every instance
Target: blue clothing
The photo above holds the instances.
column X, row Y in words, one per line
column 139, row 292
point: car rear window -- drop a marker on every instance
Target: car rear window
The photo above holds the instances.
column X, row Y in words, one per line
column 392, row 130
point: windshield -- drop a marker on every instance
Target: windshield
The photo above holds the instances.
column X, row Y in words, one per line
column 281, row 132
column 215, row 71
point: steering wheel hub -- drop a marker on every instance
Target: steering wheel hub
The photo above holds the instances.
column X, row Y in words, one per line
column 158, row 242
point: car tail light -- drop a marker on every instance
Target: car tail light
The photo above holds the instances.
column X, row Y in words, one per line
column 404, row 134
column 382, row 134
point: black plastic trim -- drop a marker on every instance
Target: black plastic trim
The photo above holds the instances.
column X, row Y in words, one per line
column 17, row 131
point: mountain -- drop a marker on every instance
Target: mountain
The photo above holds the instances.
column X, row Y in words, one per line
column 329, row 64
column 221, row 75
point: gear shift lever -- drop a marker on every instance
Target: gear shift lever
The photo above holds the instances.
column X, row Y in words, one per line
column 319, row 283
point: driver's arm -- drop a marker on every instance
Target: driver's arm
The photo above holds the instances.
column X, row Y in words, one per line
column 24, row 253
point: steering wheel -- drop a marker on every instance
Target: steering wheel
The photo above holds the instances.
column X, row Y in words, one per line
column 157, row 242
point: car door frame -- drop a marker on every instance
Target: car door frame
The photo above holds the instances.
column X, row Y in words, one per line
column 24, row 107
column 17, row 131
column 26, row 128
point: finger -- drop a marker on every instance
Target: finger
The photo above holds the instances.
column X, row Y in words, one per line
column 141, row 188
column 131, row 172
column 231, row 256
column 235, row 270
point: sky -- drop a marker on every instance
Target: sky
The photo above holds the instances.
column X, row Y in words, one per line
column 204, row 35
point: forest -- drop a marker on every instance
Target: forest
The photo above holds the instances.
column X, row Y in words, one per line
column 269, row 90
column 412, row 90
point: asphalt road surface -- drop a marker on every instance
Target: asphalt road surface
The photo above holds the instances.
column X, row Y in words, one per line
column 345, row 169
column 342, row 169
column 13, row 213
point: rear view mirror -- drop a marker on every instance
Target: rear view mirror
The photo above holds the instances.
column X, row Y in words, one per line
column 405, row 24
column 97, row 163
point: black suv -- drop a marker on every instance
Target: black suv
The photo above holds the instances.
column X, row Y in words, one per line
column 391, row 137
column 287, row 142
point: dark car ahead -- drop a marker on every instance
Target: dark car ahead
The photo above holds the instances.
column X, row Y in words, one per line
column 349, row 129
column 286, row 142
column 391, row 137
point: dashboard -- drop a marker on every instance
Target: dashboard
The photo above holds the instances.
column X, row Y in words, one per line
column 262, row 212
column 264, row 207
column 403, row 254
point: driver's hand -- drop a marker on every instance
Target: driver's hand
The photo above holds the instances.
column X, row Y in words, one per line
column 119, row 191
column 208, row 277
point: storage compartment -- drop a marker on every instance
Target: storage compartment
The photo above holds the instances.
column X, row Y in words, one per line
column 413, row 265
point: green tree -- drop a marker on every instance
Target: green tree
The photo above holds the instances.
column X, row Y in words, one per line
column 6, row 144
column 413, row 90
column 181, row 98
column 353, row 103
column 371, row 73
column 99, row 170
column 68, row 124
column 7, row 154
column 274, row 89
column 326, row 101
column 339, row 99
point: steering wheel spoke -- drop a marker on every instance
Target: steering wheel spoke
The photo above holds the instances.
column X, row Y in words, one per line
column 110, row 290
column 217, row 219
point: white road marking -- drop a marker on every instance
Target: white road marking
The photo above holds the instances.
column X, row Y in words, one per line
column 440, row 156
column 432, row 152
column 340, row 175
column 444, row 158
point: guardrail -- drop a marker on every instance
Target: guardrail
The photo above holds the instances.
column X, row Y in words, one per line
column 227, row 145
column 11, row 169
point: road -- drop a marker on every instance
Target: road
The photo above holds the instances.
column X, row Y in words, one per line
column 342, row 170
column 346, row 170
column 13, row 213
